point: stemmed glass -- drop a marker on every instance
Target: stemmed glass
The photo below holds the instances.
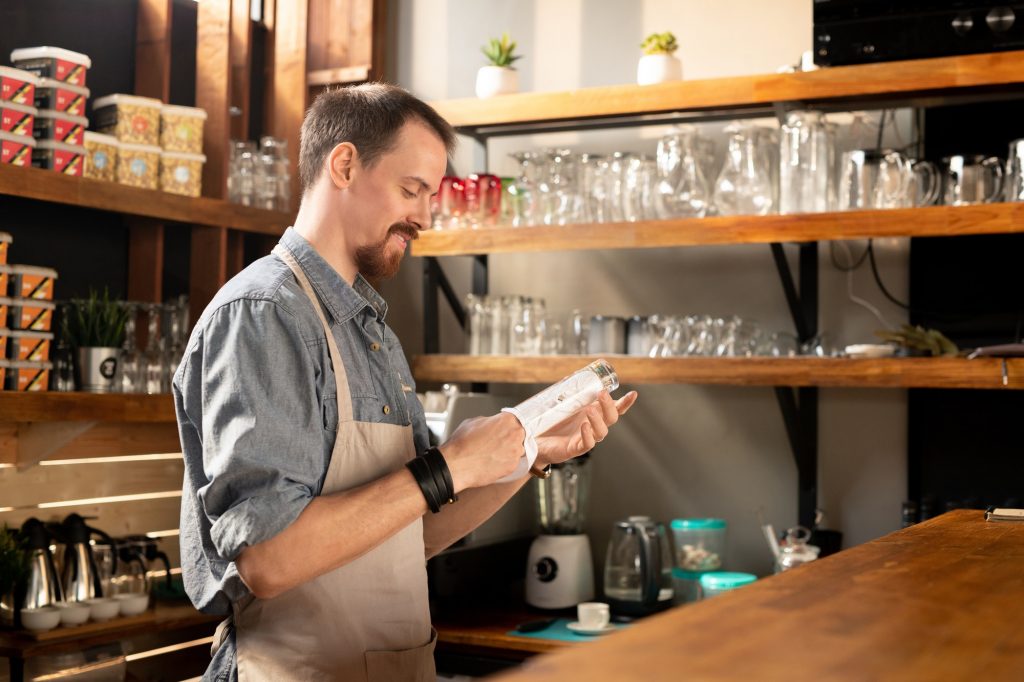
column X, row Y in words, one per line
column 526, row 209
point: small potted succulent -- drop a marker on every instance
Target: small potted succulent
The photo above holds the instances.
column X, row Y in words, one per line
column 499, row 77
column 659, row 63
column 94, row 329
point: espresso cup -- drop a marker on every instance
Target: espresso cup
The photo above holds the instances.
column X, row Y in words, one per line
column 593, row 615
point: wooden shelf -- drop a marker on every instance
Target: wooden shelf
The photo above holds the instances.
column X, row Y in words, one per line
column 916, row 82
column 830, row 372
column 43, row 185
column 38, row 426
column 161, row 618
column 931, row 221
column 111, row 407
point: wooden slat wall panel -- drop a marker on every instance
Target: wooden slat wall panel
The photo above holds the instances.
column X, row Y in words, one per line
column 116, row 518
column 106, row 440
column 89, row 480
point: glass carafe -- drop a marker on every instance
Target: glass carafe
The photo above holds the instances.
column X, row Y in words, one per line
column 562, row 497
column 806, row 159
column 744, row 187
column 682, row 189
column 638, row 567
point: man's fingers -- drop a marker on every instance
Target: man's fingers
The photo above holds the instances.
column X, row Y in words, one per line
column 623, row 404
column 587, row 437
column 595, row 418
column 608, row 411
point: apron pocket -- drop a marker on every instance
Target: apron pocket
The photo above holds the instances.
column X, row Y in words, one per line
column 414, row 665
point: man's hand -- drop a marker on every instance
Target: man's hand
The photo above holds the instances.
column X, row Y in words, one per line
column 583, row 430
column 484, row 449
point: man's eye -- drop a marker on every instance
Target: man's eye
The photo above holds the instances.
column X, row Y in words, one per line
column 407, row 194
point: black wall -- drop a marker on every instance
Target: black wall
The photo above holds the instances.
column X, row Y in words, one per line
column 965, row 447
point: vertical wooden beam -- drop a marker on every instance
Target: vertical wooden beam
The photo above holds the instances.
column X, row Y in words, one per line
column 153, row 49
column 235, row 252
column 145, row 261
column 378, row 50
column 241, row 66
column 152, row 79
column 213, row 90
column 208, row 265
column 289, row 82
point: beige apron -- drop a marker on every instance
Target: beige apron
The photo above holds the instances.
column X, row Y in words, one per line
column 368, row 620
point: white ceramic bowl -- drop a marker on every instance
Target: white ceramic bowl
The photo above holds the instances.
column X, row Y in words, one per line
column 132, row 604
column 41, row 619
column 73, row 613
column 102, row 608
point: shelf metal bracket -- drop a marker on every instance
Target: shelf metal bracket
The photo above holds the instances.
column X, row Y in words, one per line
column 799, row 406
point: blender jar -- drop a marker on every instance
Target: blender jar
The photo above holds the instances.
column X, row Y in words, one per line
column 562, row 497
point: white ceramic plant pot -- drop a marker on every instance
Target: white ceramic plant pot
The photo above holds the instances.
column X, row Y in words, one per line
column 658, row 68
column 496, row 80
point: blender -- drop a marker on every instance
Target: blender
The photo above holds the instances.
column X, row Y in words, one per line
column 559, row 568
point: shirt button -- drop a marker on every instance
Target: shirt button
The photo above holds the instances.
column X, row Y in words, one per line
column 387, row 409
column 374, row 346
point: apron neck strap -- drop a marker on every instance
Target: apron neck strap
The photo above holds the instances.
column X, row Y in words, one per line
column 340, row 377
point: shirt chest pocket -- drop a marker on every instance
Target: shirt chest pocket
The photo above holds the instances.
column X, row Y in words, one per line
column 364, row 409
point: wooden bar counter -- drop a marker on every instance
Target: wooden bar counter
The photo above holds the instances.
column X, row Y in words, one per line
column 941, row 600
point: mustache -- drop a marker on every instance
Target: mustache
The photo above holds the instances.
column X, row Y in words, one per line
column 407, row 230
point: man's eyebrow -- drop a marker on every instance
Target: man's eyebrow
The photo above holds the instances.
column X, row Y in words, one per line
column 415, row 178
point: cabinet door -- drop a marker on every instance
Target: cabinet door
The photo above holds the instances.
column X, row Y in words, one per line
column 346, row 41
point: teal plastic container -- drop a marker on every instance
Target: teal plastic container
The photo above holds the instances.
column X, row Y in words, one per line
column 717, row 582
column 699, row 544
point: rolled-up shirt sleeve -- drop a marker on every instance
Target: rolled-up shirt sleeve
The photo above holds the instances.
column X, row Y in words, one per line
column 261, row 425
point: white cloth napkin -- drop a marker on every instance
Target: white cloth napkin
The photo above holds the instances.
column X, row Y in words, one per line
column 529, row 449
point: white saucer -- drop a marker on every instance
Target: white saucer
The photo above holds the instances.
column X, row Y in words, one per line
column 581, row 630
column 870, row 350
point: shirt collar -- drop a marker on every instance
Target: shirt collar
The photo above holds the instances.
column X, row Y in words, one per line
column 343, row 301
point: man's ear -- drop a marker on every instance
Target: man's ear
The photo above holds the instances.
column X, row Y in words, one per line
column 341, row 164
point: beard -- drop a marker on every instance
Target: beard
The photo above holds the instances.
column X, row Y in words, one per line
column 380, row 261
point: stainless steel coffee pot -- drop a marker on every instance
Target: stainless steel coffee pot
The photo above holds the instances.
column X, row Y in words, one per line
column 81, row 577
column 43, row 585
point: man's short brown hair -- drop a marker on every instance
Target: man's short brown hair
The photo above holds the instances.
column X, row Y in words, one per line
column 369, row 116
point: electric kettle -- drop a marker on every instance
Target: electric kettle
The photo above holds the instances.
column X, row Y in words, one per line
column 42, row 584
column 81, row 577
column 638, row 568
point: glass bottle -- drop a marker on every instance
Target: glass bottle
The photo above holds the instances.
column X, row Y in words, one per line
column 131, row 359
column 560, row 401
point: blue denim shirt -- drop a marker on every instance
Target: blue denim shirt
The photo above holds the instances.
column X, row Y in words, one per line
column 255, row 397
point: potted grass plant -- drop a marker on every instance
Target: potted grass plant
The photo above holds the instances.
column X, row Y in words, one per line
column 498, row 77
column 659, row 63
column 94, row 330
column 13, row 568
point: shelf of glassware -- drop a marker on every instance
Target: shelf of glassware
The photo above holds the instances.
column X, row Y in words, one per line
column 994, row 373
column 55, row 425
column 930, row 221
column 918, row 82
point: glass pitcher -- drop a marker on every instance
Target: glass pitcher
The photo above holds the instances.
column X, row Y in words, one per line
column 682, row 189
column 806, row 160
column 638, row 567
column 744, row 187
